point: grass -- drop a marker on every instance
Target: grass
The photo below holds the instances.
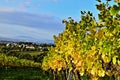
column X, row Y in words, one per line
column 23, row 74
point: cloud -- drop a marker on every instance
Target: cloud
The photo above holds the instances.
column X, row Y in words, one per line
column 25, row 4
column 4, row 9
column 6, row 1
column 18, row 4
column 24, row 33
column 11, row 9
column 31, row 20
column 23, row 25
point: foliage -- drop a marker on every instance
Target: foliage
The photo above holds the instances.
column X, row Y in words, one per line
column 90, row 47
column 11, row 61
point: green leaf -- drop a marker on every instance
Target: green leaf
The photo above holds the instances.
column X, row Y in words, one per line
column 100, row 43
column 114, row 10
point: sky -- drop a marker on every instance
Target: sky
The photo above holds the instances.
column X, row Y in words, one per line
column 39, row 20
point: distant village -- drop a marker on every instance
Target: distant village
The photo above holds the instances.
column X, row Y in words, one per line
column 30, row 46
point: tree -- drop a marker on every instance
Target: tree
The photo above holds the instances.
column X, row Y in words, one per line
column 88, row 47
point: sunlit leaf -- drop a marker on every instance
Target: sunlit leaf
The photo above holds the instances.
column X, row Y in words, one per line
column 114, row 10
column 101, row 73
column 114, row 60
column 118, row 1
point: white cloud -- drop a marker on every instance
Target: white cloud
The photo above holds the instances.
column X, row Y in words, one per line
column 10, row 9
column 6, row 9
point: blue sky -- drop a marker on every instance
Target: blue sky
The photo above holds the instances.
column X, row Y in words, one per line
column 39, row 20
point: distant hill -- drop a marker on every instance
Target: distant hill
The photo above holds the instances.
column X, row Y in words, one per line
column 4, row 39
column 9, row 39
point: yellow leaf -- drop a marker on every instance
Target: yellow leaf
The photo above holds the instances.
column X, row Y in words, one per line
column 93, row 47
column 109, row 73
column 82, row 72
column 118, row 62
column 114, row 59
column 93, row 71
column 59, row 69
column 117, row 1
column 95, row 78
column 105, row 58
column 101, row 73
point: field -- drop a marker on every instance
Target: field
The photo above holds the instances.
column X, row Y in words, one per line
column 23, row 74
column 13, row 55
column 32, row 53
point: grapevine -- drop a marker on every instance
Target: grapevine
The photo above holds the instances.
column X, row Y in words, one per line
column 89, row 47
